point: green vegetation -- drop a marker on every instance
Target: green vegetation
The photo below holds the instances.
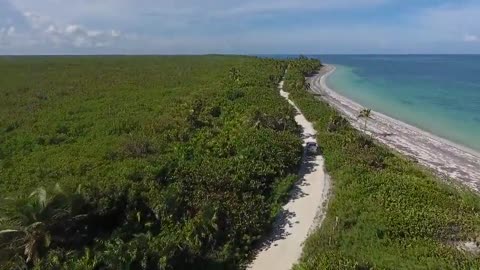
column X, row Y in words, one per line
column 386, row 212
column 183, row 162
column 141, row 162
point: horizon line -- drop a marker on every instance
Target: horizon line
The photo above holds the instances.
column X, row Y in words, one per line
column 246, row 54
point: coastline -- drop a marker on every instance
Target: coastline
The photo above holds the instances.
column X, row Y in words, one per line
column 443, row 156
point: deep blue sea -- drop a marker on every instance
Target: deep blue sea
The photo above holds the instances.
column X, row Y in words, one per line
column 437, row 93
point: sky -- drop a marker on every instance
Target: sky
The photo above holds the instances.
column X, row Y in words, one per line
column 239, row 27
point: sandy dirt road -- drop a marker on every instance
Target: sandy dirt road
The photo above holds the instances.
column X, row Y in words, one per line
column 304, row 212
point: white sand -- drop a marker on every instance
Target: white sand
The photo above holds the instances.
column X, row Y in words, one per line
column 304, row 212
column 444, row 157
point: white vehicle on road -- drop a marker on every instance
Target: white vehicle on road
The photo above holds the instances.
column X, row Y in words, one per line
column 312, row 148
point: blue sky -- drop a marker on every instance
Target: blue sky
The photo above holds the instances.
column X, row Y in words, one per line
column 245, row 27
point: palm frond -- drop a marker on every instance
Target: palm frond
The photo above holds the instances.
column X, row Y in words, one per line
column 41, row 195
column 8, row 231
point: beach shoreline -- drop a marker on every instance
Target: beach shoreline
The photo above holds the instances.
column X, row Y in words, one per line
column 446, row 158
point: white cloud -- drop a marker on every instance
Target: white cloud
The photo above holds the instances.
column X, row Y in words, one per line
column 10, row 31
column 251, row 6
column 115, row 33
column 170, row 15
column 36, row 21
column 48, row 31
column 6, row 33
column 470, row 38
column 223, row 26
column 160, row 26
column 95, row 33
column 75, row 9
column 74, row 29
column 51, row 29
column 451, row 21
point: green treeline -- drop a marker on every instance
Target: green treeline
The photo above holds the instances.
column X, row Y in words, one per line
column 386, row 212
column 183, row 162
column 141, row 162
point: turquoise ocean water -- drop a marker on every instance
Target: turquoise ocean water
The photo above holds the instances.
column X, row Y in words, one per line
column 437, row 93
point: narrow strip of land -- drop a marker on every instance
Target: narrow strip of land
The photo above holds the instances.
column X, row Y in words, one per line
column 304, row 212
column 443, row 156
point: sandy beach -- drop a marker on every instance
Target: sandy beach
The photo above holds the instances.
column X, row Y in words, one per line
column 444, row 157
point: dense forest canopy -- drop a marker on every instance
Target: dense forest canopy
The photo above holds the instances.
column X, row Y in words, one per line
column 141, row 162
column 184, row 162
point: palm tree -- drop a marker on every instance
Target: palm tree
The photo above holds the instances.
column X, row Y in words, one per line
column 25, row 221
column 365, row 114
column 26, row 231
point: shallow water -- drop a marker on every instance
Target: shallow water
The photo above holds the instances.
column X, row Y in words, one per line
column 439, row 94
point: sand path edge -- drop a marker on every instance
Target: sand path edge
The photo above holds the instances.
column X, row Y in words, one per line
column 304, row 212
